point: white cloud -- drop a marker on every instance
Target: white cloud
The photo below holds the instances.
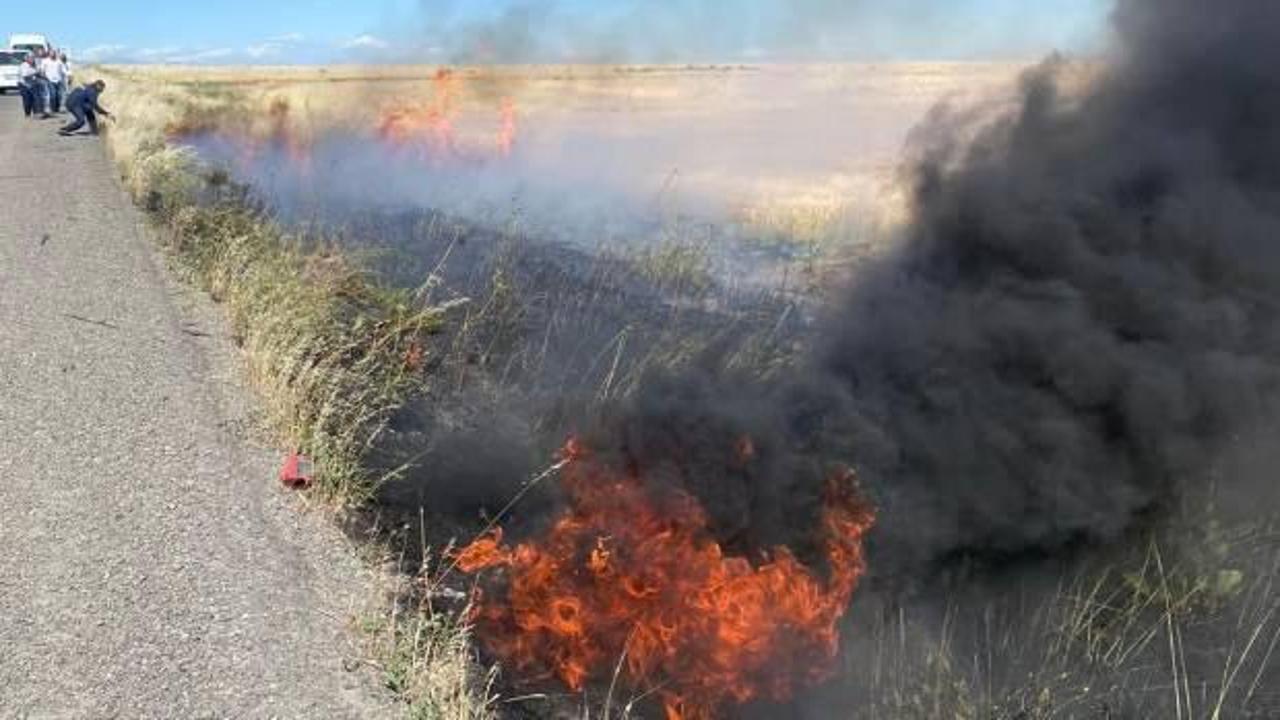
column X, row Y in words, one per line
column 264, row 49
column 365, row 42
column 105, row 52
column 150, row 53
column 274, row 45
column 201, row 56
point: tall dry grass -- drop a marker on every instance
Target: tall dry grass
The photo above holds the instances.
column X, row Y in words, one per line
column 330, row 351
column 325, row 345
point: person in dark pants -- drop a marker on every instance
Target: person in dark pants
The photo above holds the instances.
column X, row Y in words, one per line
column 44, row 99
column 28, row 100
column 27, row 85
column 82, row 103
column 51, row 68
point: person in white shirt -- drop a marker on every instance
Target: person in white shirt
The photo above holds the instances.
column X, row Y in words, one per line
column 27, row 73
column 66, row 75
column 51, row 68
column 41, row 86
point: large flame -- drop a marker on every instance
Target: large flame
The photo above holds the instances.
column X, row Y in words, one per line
column 629, row 581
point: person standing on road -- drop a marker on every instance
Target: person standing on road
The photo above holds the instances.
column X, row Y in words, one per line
column 66, row 74
column 27, row 85
column 51, row 68
column 42, row 86
column 82, row 103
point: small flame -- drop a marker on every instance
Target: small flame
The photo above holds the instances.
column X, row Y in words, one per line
column 434, row 131
column 507, row 132
column 253, row 136
column 430, row 128
column 630, row 578
column 297, row 144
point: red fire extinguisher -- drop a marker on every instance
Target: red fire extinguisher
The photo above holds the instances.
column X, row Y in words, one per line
column 297, row 472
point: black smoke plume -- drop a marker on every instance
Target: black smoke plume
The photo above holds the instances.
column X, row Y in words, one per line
column 1081, row 317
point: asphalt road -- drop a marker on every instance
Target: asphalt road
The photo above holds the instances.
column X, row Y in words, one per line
column 149, row 564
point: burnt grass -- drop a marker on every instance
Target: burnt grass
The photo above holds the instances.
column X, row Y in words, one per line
column 543, row 335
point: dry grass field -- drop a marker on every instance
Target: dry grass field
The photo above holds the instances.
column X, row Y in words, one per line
column 1179, row 622
column 802, row 153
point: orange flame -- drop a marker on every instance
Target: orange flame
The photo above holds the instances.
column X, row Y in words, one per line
column 631, row 578
column 430, row 128
column 297, row 145
column 255, row 135
column 507, row 132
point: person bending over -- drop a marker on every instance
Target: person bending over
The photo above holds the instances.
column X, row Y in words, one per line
column 82, row 103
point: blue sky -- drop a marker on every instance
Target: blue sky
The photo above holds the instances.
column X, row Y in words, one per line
column 279, row 31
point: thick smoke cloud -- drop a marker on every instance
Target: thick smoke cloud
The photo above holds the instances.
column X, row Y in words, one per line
column 736, row 30
column 1080, row 322
column 1083, row 315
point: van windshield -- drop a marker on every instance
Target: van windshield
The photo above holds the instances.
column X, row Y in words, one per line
column 11, row 58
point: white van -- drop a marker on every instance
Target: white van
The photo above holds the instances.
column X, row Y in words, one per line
column 28, row 42
column 9, row 62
